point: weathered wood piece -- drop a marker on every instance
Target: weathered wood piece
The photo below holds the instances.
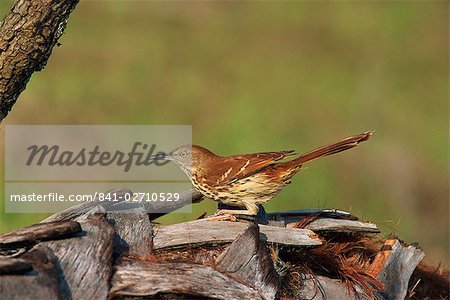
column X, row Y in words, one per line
column 14, row 266
column 248, row 260
column 79, row 265
column 27, row 36
column 324, row 288
column 154, row 210
column 216, row 232
column 145, row 278
column 394, row 265
column 133, row 233
column 42, row 282
column 86, row 261
column 381, row 257
column 340, row 225
column 36, row 233
column 289, row 236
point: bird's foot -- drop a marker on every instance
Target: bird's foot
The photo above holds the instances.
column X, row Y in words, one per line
column 221, row 217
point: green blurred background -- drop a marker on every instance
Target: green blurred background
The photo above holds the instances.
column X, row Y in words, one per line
column 261, row 76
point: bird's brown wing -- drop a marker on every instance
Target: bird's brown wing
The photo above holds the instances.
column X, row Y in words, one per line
column 236, row 167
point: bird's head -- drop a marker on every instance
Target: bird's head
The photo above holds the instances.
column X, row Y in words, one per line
column 188, row 157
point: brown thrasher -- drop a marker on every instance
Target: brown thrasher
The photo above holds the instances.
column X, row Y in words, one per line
column 248, row 180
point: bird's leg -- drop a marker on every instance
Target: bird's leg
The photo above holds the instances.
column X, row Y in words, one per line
column 251, row 210
column 229, row 214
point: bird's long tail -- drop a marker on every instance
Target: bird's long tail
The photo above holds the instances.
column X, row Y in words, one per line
column 339, row 146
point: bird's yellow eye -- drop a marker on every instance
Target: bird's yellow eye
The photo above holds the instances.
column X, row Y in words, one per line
column 183, row 154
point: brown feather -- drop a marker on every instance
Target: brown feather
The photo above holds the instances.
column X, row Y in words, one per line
column 232, row 168
column 342, row 145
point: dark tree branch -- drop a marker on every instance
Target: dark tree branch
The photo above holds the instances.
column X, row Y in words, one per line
column 27, row 36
